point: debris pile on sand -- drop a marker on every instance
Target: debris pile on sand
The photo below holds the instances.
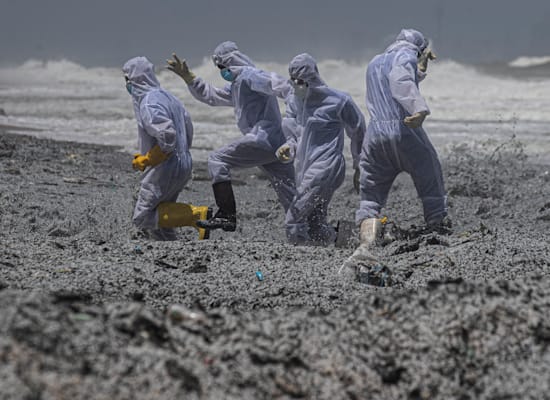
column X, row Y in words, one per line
column 91, row 309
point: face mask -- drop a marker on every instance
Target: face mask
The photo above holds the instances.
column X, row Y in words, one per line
column 129, row 87
column 227, row 74
column 300, row 91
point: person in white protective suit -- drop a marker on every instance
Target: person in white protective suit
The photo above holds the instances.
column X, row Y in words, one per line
column 252, row 92
column 396, row 141
column 316, row 118
column 165, row 133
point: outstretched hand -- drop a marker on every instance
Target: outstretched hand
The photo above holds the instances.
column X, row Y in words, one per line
column 180, row 68
column 427, row 55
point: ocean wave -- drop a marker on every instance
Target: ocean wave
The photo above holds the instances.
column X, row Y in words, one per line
column 344, row 75
column 62, row 97
column 528, row 62
column 52, row 72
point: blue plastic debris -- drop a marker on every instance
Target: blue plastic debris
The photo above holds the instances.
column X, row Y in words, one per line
column 259, row 275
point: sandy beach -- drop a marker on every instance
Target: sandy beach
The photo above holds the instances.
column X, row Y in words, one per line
column 90, row 309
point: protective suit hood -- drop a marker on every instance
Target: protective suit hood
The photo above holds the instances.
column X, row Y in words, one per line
column 410, row 38
column 228, row 55
column 141, row 74
column 304, row 66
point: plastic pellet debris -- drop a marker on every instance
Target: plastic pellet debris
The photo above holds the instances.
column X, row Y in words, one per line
column 259, row 275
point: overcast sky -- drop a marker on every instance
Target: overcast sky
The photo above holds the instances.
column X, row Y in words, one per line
column 108, row 32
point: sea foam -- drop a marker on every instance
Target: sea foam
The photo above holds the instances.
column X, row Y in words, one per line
column 65, row 100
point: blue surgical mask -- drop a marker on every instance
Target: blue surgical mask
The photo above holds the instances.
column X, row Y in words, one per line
column 129, row 87
column 227, row 74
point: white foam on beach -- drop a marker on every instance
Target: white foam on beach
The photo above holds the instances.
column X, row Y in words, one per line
column 67, row 101
column 526, row 62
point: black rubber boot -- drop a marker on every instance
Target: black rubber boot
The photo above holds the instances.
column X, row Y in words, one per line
column 443, row 227
column 226, row 216
column 344, row 231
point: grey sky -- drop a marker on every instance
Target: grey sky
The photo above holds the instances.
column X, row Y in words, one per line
column 108, row 32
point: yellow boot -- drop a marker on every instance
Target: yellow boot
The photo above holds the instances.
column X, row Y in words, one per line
column 173, row 215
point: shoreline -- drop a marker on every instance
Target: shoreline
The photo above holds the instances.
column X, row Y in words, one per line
column 4, row 128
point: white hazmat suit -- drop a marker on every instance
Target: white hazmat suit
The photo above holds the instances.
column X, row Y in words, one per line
column 314, row 126
column 391, row 146
column 252, row 92
column 163, row 121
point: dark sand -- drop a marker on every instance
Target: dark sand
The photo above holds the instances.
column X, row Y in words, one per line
column 91, row 310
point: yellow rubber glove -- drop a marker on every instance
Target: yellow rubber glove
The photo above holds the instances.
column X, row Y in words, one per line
column 426, row 56
column 179, row 67
column 356, row 179
column 153, row 158
column 285, row 153
column 415, row 120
